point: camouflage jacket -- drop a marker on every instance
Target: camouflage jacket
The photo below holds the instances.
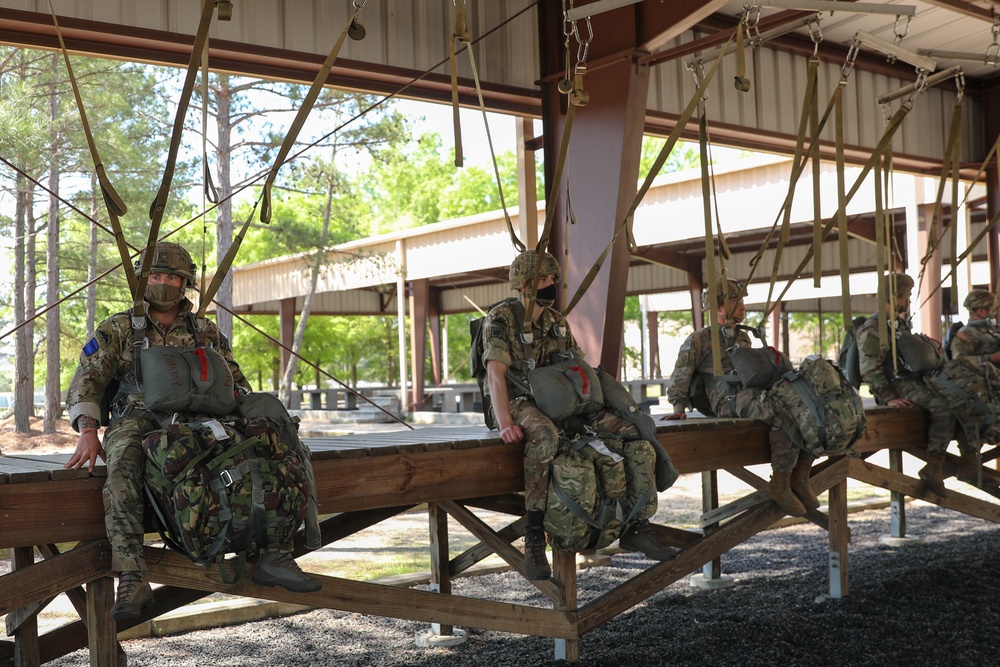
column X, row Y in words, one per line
column 977, row 339
column 107, row 356
column 502, row 340
column 695, row 356
column 874, row 363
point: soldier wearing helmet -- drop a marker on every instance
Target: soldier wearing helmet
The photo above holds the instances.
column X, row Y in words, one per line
column 891, row 384
column 694, row 380
column 508, row 355
column 980, row 338
column 105, row 376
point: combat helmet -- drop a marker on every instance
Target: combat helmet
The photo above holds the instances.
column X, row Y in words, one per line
column 170, row 258
column 980, row 298
column 525, row 266
column 901, row 286
column 736, row 291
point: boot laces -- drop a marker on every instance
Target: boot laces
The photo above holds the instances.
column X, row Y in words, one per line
column 128, row 584
column 535, row 548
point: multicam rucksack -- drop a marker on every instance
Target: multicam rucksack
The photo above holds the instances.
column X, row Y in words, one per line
column 218, row 488
column 592, row 491
column 972, row 391
column 822, row 411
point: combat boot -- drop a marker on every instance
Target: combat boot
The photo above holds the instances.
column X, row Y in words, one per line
column 801, row 486
column 970, row 468
column 781, row 492
column 536, row 564
column 933, row 474
column 280, row 569
column 134, row 596
column 640, row 537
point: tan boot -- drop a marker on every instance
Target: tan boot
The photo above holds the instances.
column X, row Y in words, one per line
column 970, row 468
column 134, row 596
column 781, row 492
column 800, row 483
column 933, row 475
column 536, row 564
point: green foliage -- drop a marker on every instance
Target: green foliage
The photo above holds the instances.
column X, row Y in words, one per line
column 683, row 156
column 824, row 330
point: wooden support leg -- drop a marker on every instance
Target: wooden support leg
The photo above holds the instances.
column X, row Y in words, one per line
column 26, row 650
column 101, row 630
column 840, row 535
column 711, row 577
column 564, row 571
column 440, row 576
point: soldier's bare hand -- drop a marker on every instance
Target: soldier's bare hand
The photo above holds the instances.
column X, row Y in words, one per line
column 512, row 434
column 900, row 403
column 674, row 415
column 88, row 448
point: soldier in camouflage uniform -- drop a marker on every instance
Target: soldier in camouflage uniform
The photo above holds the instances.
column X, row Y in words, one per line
column 518, row 418
column 980, row 338
column 789, row 486
column 108, row 357
column 892, row 385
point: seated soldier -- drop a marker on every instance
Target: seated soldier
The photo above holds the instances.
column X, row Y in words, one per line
column 789, row 485
column 898, row 385
column 980, row 338
column 508, row 357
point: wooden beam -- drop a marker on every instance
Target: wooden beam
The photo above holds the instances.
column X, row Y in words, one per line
column 51, row 577
column 375, row 599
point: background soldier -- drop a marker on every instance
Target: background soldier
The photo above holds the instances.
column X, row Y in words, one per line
column 107, row 359
column 507, row 361
column 980, row 338
column 790, row 467
column 895, row 386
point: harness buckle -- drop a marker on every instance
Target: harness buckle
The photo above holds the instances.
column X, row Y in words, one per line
column 227, row 477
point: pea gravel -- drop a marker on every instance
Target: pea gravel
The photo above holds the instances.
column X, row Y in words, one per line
column 933, row 603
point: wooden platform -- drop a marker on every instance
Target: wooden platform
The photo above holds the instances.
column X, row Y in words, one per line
column 365, row 479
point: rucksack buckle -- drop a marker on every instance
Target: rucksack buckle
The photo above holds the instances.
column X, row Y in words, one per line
column 227, row 477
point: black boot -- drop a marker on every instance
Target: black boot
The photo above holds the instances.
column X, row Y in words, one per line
column 536, row 564
column 640, row 537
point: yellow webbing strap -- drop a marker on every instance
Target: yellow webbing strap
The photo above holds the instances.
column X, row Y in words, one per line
column 300, row 118
column 965, row 253
column 808, row 104
column 160, row 202
column 209, row 186
column 112, row 201
column 887, row 134
column 933, row 237
column 460, row 34
column 880, row 262
column 225, row 264
column 817, row 198
column 956, row 154
column 710, row 248
column 845, row 259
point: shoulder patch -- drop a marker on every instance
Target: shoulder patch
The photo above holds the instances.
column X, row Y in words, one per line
column 91, row 347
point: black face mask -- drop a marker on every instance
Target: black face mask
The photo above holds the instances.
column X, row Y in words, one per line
column 546, row 296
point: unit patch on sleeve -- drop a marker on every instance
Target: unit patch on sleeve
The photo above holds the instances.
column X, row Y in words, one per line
column 91, row 347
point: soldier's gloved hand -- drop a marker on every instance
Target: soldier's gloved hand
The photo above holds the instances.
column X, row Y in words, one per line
column 88, row 448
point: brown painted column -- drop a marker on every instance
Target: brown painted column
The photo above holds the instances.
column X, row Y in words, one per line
column 695, row 284
column 527, row 195
column 419, row 298
column 653, row 334
column 775, row 332
column 991, row 109
column 286, row 327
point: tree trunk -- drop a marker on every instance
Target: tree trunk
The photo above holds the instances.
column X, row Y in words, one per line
column 23, row 358
column 53, row 400
column 224, row 222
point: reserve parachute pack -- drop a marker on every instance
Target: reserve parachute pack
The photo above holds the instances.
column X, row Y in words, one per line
column 596, row 488
column 758, row 367
column 918, row 354
column 196, row 381
column 220, row 487
column 566, row 388
column 822, row 411
column 972, row 391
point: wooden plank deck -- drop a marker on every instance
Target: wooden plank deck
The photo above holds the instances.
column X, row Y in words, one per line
column 364, row 479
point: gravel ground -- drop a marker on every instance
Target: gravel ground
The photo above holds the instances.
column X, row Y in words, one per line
column 929, row 603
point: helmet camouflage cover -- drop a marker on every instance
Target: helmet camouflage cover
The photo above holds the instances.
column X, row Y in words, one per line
column 980, row 298
column 736, row 291
column 170, row 258
column 527, row 264
column 901, row 285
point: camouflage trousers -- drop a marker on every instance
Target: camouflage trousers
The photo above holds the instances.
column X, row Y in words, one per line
column 941, row 424
column 124, row 500
column 541, row 442
column 753, row 404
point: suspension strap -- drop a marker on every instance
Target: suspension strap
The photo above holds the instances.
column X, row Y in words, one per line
column 460, row 34
column 845, row 259
column 710, row 247
column 884, row 285
column 112, row 201
column 307, row 105
column 225, row 264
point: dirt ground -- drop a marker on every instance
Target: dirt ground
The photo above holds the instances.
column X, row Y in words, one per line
column 61, row 442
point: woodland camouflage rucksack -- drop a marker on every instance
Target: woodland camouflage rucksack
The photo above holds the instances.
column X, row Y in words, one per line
column 219, row 488
column 822, row 410
column 597, row 485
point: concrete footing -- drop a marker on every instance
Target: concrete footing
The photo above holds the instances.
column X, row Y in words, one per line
column 711, row 584
column 430, row 639
column 892, row 541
